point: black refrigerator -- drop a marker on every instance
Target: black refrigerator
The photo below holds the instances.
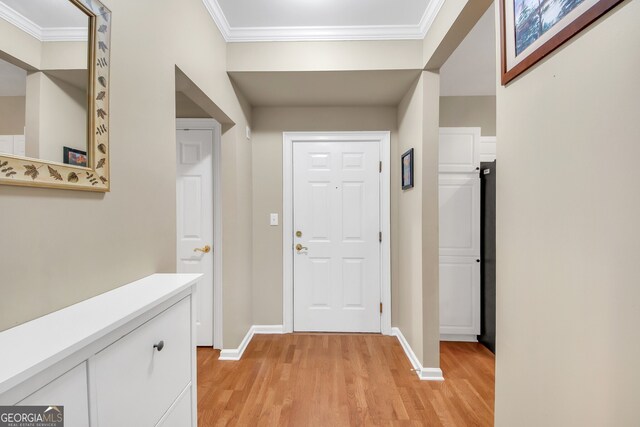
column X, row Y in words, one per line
column 488, row 255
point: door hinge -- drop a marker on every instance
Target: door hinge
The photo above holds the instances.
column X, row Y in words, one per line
column 380, row 167
column 380, row 308
column 380, row 236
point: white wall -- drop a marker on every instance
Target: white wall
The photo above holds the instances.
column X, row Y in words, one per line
column 568, row 238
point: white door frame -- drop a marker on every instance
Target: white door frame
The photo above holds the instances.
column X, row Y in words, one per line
column 384, row 139
column 213, row 125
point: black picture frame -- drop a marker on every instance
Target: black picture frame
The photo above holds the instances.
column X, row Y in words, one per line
column 406, row 168
column 74, row 157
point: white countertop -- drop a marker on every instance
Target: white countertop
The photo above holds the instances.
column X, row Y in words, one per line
column 32, row 347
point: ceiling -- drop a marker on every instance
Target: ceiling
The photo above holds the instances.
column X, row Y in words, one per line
column 271, row 20
column 325, row 88
column 46, row 20
column 471, row 69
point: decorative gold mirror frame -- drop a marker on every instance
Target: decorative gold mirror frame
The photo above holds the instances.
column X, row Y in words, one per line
column 25, row 171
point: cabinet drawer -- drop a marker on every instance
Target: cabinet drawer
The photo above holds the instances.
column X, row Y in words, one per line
column 135, row 383
column 68, row 390
column 180, row 413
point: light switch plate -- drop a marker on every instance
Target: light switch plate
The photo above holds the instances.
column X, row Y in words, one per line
column 274, row 219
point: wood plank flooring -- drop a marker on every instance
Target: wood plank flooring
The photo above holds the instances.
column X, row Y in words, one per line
column 342, row 380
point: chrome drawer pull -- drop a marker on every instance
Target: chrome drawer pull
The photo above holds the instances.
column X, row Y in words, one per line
column 159, row 346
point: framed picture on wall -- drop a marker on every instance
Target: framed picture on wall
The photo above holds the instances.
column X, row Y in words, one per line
column 74, row 157
column 407, row 170
column 532, row 29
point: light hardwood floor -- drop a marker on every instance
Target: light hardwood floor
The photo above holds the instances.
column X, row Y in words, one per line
column 342, row 380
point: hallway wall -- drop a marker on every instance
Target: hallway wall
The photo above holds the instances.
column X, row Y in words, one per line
column 469, row 111
column 268, row 125
column 568, row 239
column 130, row 232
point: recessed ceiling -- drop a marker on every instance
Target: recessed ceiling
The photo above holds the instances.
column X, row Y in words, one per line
column 46, row 20
column 325, row 88
column 471, row 69
column 271, row 20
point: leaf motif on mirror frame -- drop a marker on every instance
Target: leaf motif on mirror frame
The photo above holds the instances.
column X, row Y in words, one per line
column 102, row 148
column 103, row 179
column 101, row 113
column 102, row 81
column 31, row 171
column 101, row 95
column 102, row 28
column 101, row 163
column 54, row 173
column 72, row 177
column 102, row 46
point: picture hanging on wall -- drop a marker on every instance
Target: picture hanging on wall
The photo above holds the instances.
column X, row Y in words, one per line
column 532, row 29
column 71, row 156
column 407, row 170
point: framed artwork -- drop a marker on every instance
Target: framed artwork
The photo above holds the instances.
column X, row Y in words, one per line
column 407, row 170
column 532, row 29
column 74, row 157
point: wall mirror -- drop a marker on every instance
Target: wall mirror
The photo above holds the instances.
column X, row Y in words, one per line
column 54, row 94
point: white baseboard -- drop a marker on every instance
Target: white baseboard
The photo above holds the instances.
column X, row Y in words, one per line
column 459, row 337
column 428, row 374
column 236, row 353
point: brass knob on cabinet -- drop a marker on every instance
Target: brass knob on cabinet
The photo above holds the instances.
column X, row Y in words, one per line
column 204, row 250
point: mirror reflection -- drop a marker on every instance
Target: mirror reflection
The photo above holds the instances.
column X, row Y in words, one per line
column 44, row 80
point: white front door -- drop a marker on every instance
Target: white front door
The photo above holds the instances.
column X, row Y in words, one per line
column 194, row 188
column 336, row 218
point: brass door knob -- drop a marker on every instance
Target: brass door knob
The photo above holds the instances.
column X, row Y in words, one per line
column 299, row 247
column 204, row 250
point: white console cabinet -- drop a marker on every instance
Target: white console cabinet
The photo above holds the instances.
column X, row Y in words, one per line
column 123, row 358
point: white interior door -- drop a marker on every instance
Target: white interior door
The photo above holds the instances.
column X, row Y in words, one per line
column 336, row 217
column 194, row 188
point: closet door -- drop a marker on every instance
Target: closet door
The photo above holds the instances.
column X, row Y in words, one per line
column 459, row 199
column 460, row 296
column 459, row 150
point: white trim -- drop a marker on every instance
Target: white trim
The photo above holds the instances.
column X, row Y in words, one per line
column 289, row 138
column 236, row 353
column 182, row 124
column 362, row 32
column 42, row 34
column 426, row 374
column 459, row 337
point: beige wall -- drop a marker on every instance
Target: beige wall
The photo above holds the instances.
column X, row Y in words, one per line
column 12, row 115
column 268, row 126
column 568, row 235
column 417, row 292
column 469, row 111
column 57, row 117
column 60, row 247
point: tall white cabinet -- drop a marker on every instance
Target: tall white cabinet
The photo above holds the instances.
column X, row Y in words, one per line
column 459, row 200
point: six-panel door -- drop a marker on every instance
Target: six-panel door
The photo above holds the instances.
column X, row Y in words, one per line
column 337, row 224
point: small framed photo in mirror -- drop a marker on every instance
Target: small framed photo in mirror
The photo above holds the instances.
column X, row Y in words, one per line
column 407, row 170
column 74, row 157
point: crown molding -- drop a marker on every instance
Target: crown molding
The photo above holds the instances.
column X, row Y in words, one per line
column 326, row 33
column 42, row 34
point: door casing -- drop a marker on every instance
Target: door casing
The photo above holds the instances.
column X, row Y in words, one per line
column 211, row 124
column 384, row 140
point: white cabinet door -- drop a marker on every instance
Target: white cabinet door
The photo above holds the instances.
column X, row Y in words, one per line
column 336, row 210
column 6, row 144
column 135, row 382
column 459, row 199
column 459, row 295
column 459, row 150
column 69, row 391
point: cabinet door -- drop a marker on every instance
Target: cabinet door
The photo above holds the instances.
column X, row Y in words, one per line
column 459, row 150
column 459, row 200
column 135, row 382
column 459, row 295
column 68, row 390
